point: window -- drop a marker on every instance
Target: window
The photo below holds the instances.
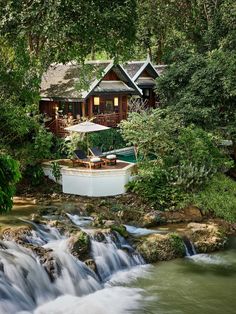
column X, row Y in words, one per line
column 109, row 107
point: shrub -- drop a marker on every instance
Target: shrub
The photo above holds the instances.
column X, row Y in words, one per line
column 218, row 196
column 9, row 176
column 107, row 140
column 166, row 181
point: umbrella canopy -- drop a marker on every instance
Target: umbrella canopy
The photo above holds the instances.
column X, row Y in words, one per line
column 86, row 127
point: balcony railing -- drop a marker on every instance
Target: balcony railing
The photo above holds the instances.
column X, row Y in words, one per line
column 57, row 126
column 109, row 119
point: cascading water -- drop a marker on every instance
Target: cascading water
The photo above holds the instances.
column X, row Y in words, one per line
column 110, row 257
column 25, row 286
column 189, row 247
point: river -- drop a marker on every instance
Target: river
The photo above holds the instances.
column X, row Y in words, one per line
column 202, row 283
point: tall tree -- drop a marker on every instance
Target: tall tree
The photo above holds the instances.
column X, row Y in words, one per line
column 62, row 30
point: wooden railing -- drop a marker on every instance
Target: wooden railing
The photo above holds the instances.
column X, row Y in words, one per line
column 57, row 126
column 109, row 119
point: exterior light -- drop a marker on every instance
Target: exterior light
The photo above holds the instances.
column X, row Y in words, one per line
column 116, row 101
column 96, row 101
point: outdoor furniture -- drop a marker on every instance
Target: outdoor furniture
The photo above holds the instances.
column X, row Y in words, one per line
column 109, row 159
column 82, row 159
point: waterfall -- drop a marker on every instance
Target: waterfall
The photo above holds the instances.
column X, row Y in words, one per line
column 113, row 254
column 26, row 287
column 189, row 247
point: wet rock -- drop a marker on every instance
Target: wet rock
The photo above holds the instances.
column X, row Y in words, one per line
column 36, row 218
column 157, row 247
column 206, row 237
column 17, row 234
column 121, row 230
column 64, row 227
column 79, row 245
column 153, row 218
column 91, row 264
column 108, row 223
column 47, row 260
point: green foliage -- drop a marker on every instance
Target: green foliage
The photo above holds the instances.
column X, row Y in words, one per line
column 42, row 144
column 218, row 197
column 185, row 157
column 177, row 243
column 35, row 174
column 75, row 141
column 201, row 88
column 152, row 133
column 197, row 26
column 107, row 140
column 56, row 170
column 9, row 176
column 61, row 31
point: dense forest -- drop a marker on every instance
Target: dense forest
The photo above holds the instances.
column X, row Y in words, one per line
column 183, row 141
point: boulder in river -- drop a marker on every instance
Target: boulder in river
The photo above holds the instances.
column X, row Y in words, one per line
column 79, row 245
column 158, row 247
column 206, row 237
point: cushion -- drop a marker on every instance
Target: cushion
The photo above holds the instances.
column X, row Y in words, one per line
column 95, row 159
column 111, row 156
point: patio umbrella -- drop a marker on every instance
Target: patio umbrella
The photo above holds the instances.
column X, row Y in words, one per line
column 86, row 127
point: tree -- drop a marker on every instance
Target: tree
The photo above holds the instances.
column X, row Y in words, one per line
column 59, row 30
column 198, row 25
column 179, row 160
column 201, row 88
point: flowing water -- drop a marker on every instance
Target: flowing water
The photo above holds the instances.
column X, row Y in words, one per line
column 25, row 286
column 202, row 283
column 199, row 283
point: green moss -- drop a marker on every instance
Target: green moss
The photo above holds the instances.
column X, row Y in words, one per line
column 177, row 243
column 120, row 229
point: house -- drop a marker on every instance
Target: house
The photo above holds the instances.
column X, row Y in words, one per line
column 100, row 90
column 144, row 74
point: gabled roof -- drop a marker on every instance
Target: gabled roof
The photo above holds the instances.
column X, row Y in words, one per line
column 62, row 80
column 160, row 68
column 146, row 66
column 133, row 67
column 136, row 68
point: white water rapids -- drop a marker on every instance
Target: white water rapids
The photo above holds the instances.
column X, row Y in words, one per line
column 25, row 286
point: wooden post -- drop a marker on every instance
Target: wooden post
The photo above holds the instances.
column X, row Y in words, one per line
column 83, row 109
column 120, row 108
column 90, row 107
column 125, row 106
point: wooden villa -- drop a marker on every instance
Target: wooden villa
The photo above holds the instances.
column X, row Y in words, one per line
column 105, row 94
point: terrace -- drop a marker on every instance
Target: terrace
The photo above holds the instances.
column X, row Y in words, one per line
column 109, row 180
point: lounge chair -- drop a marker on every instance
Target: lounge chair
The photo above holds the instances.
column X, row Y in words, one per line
column 109, row 159
column 82, row 159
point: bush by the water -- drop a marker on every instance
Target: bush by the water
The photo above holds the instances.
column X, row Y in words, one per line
column 186, row 158
column 218, row 197
column 9, row 176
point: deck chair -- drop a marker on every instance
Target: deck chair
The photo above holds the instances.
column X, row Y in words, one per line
column 109, row 159
column 82, row 159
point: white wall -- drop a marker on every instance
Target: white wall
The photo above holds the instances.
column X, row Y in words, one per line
column 93, row 182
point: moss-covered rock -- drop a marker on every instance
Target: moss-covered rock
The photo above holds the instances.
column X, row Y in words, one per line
column 157, row 247
column 121, row 230
column 206, row 237
column 79, row 245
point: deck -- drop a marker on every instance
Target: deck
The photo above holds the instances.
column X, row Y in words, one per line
column 104, row 181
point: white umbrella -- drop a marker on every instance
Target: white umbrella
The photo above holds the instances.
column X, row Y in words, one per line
column 86, row 127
